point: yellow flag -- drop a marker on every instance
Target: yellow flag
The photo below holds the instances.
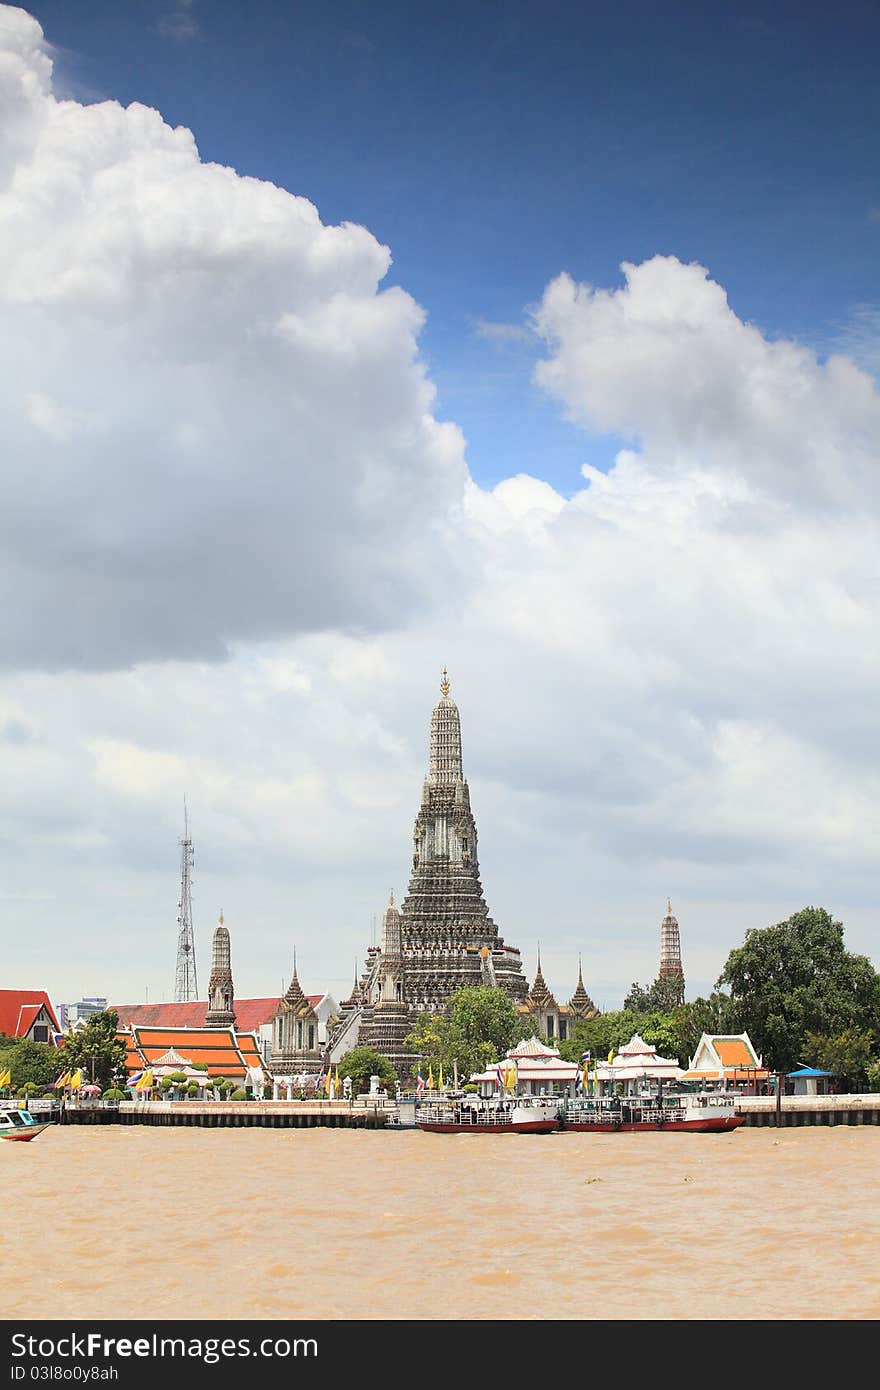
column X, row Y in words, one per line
column 611, row 1055
column 440, row 1078
column 63, row 1080
column 144, row 1081
column 510, row 1077
column 337, row 1085
column 430, row 1078
column 328, row 1084
column 5, row 1079
column 76, row 1080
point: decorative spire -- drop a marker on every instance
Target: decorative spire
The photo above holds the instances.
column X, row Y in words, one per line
column 444, row 765
column 670, row 949
column 294, row 995
column 539, row 995
column 580, row 1003
column 221, row 994
column 668, row 907
column 391, row 899
column 221, row 917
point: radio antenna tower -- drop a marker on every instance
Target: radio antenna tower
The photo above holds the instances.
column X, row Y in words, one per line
column 185, row 984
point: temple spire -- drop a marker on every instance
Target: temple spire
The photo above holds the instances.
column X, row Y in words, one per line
column 221, row 995
column 444, row 764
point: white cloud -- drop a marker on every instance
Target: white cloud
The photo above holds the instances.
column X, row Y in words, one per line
column 222, row 440
column 220, row 424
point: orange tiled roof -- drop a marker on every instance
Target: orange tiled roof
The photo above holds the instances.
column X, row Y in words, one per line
column 226, row 1052
column 733, row 1052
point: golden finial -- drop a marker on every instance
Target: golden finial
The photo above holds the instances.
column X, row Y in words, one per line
column 444, row 683
column 221, row 916
column 668, row 907
column 391, row 899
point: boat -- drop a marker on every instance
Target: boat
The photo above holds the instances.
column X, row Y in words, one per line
column 20, row 1124
column 503, row 1115
column 693, row 1112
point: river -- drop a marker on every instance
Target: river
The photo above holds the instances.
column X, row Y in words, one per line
column 148, row 1223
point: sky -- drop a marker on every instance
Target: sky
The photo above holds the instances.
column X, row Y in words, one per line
column 343, row 343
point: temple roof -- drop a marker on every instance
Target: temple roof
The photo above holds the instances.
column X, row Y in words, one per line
column 532, row 1047
column 580, row 1002
column 539, row 996
column 19, row 1008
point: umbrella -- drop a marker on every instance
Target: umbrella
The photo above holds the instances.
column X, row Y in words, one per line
column 90, row 1090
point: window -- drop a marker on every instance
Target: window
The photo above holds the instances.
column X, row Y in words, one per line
column 311, row 1036
column 40, row 1033
column 550, row 1021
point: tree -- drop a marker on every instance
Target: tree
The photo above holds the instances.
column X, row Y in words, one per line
column 846, row 1056
column 482, row 1025
column 601, row 1035
column 717, row 1014
column 39, row 1063
column 96, row 1050
column 361, row 1063
column 664, row 995
column 796, row 978
column 429, row 1037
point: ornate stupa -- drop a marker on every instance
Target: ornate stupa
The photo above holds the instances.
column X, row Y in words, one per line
column 670, row 949
column 389, row 1021
column 448, row 939
column 221, row 995
column 580, row 1005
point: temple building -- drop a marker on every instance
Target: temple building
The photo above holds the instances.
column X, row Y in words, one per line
column 389, row 1018
column 298, row 1038
column 221, row 1011
column 442, row 938
column 670, row 951
column 556, row 1020
column 448, row 939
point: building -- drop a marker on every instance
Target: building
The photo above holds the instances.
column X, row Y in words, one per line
column 223, row 1051
column 221, row 994
column 28, row 1013
column 670, row 952
column 728, row 1060
column 441, row 938
column 448, row 940
column 301, row 1027
column 537, row 1070
column 556, row 1020
column 83, row 1009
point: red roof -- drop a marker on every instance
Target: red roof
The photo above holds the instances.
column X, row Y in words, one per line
column 19, row 1008
column 249, row 1014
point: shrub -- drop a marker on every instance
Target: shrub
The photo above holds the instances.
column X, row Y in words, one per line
column 114, row 1094
column 238, row 1094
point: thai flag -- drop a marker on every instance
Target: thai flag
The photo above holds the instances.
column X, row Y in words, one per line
column 420, row 1082
column 499, row 1076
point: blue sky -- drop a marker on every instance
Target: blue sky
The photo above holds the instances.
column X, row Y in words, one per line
column 240, row 538
column 492, row 146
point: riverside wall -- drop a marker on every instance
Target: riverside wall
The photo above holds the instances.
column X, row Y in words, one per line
column 810, row 1110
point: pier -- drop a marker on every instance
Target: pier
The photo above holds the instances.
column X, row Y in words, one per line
column 790, row 1111
column 263, row 1114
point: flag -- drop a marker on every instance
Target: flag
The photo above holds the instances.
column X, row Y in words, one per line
column 328, row 1084
column 585, row 1056
column 63, row 1080
column 499, row 1075
column 145, row 1080
column 611, row 1055
column 440, row 1078
column 510, row 1078
column 337, row 1085
column 132, row 1082
column 585, row 1077
column 420, row 1082
column 76, row 1080
column 430, row 1078
column 5, row 1079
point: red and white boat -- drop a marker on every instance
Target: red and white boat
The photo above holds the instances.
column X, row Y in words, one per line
column 703, row 1112
column 503, row 1115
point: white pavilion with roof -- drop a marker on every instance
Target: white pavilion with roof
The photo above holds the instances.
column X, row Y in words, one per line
column 635, row 1066
column 538, row 1070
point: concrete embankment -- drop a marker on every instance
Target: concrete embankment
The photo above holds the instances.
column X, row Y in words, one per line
column 271, row 1114
column 811, row 1110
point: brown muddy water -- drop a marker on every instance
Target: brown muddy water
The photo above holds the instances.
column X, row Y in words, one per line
column 336, row 1224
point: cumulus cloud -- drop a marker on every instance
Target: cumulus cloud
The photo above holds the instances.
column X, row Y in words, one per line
column 665, row 362
column 217, row 424
column 219, row 440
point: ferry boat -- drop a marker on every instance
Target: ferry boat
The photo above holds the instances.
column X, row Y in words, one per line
column 19, row 1124
column 694, row 1112
column 473, row 1115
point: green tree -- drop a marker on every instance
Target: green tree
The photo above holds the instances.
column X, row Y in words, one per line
column 664, row 995
column 846, row 1056
column 39, row 1063
column 482, row 1025
column 796, row 978
column 97, row 1051
column 717, row 1014
column 361, row 1063
column 601, row 1035
column 429, row 1037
